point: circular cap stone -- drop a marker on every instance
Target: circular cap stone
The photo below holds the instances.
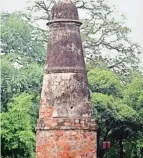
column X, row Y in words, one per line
column 64, row 9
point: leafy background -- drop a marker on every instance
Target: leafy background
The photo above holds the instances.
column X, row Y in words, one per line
column 115, row 79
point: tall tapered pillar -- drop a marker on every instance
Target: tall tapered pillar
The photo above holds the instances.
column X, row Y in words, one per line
column 66, row 127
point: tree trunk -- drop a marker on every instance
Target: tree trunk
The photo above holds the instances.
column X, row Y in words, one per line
column 98, row 140
column 121, row 152
column 101, row 153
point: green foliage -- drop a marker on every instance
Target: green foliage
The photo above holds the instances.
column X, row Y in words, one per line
column 118, row 106
column 19, row 36
column 133, row 96
column 115, row 109
column 104, row 81
column 19, row 78
column 22, row 70
column 134, row 92
column 112, row 109
column 17, row 137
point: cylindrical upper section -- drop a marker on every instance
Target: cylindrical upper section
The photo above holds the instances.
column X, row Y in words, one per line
column 65, row 52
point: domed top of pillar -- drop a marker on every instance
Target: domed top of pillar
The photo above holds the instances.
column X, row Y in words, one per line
column 64, row 9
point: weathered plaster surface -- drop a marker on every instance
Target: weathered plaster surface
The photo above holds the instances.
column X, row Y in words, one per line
column 66, row 127
column 68, row 93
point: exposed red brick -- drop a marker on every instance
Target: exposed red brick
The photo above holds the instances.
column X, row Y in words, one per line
column 59, row 133
column 66, row 127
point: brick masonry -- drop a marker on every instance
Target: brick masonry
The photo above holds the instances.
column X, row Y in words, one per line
column 66, row 127
column 66, row 144
column 65, row 137
column 62, row 131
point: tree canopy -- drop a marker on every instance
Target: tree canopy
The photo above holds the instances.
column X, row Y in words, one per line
column 20, row 37
column 115, row 82
column 118, row 119
column 18, row 139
